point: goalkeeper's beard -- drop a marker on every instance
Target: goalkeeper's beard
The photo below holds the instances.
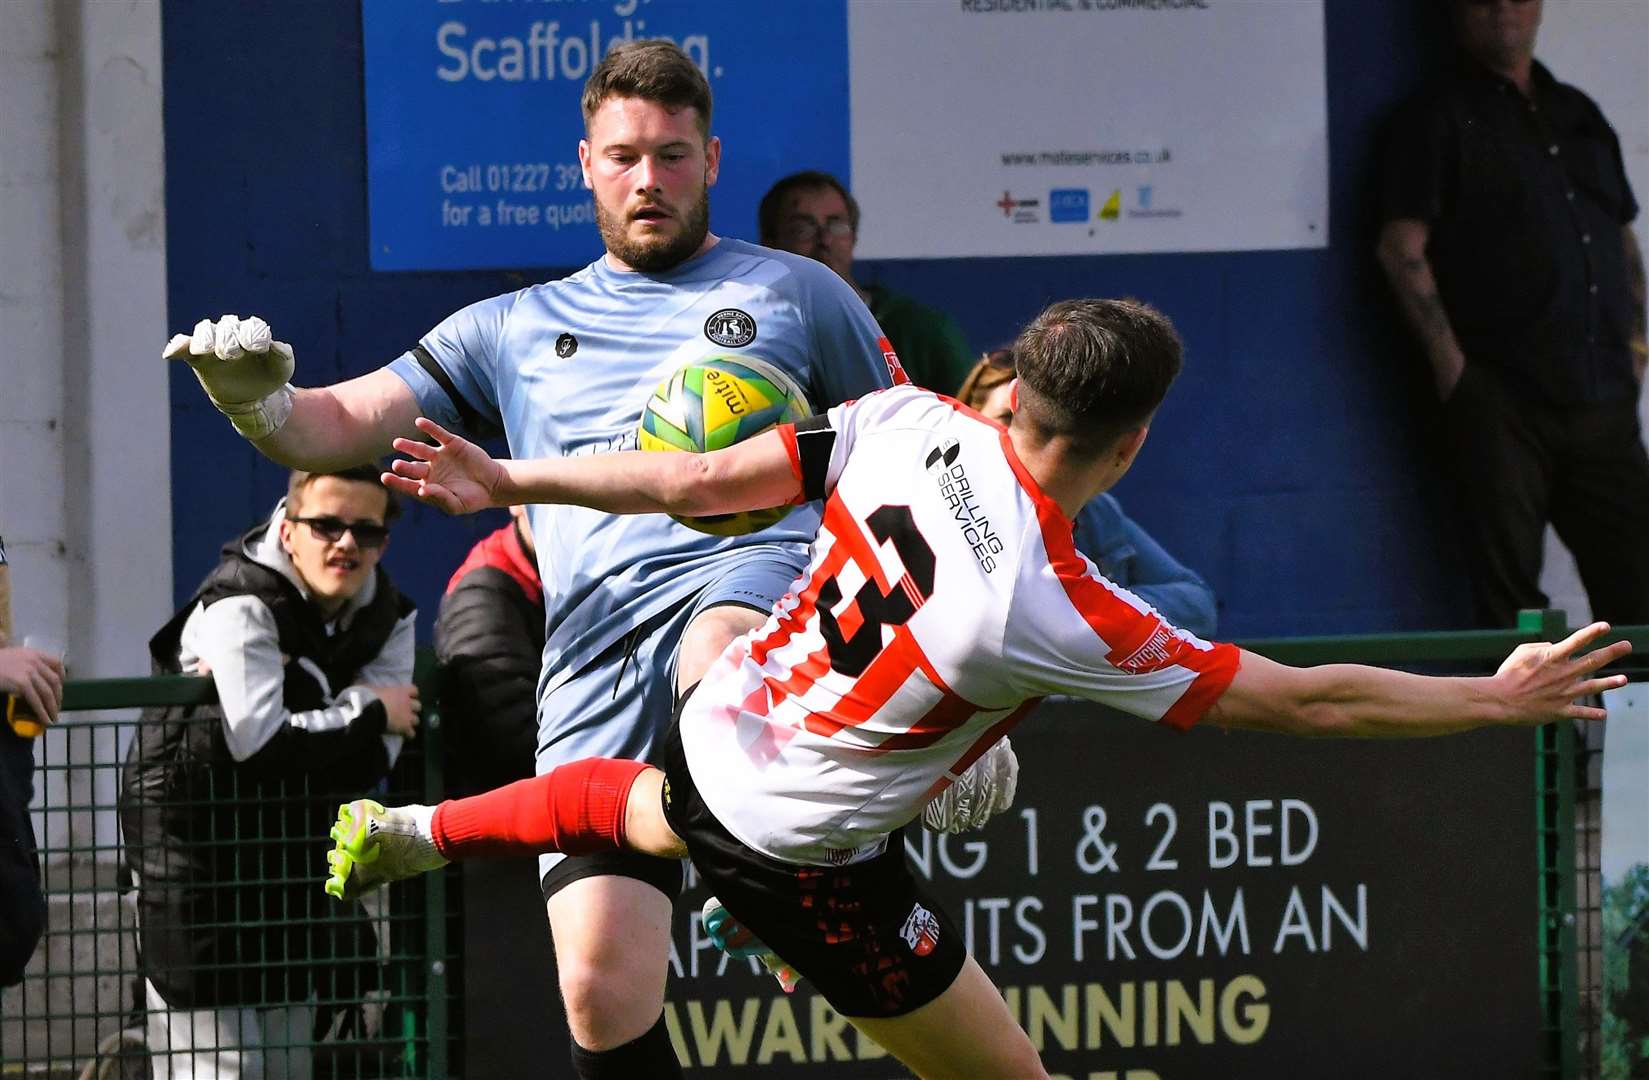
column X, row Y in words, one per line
column 656, row 252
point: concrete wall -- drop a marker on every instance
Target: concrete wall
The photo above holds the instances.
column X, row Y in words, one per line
column 85, row 486
column 85, row 490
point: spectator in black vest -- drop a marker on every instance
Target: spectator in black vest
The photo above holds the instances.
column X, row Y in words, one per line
column 311, row 648
column 489, row 637
column 1507, row 237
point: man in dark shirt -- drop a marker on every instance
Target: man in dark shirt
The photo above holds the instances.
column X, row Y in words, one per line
column 1507, row 237
column 813, row 214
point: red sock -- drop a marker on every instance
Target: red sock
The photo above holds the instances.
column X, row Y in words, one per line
column 576, row 809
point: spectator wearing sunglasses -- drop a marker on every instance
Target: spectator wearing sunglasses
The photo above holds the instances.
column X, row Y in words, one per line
column 813, row 214
column 1125, row 554
column 1507, row 237
column 311, row 648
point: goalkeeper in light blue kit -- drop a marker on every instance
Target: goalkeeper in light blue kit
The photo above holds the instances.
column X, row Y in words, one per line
column 637, row 606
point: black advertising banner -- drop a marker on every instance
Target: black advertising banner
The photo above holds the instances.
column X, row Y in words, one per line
column 1158, row 906
column 1161, row 906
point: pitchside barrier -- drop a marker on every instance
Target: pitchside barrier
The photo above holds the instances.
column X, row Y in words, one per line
column 80, row 1012
column 1156, row 906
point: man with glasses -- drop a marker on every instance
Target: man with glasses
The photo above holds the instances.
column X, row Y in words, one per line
column 311, row 648
column 813, row 214
column 1508, row 240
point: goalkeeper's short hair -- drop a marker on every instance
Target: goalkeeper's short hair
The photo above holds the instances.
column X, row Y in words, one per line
column 652, row 69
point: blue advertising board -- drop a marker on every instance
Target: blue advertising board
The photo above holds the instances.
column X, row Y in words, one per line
column 473, row 118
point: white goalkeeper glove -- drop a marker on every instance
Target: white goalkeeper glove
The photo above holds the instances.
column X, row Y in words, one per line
column 978, row 795
column 243, row 370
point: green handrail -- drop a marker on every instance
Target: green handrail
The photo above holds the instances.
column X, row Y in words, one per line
column 1402, row 648
column 80, row 695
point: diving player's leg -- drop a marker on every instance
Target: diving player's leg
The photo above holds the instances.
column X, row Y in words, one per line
column 586, row 807
column 965, row 1033
column 645, row 828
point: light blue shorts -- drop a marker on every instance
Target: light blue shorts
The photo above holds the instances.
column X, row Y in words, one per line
column 619, row 705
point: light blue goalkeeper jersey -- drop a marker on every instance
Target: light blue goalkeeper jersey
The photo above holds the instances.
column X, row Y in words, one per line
column 564, row 368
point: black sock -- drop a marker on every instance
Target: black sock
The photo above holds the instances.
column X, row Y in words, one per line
column 646, row 1057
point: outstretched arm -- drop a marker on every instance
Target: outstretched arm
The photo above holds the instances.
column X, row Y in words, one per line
column 1538, row 683
column 459, row 477
column 244, row 372
column 333, row 427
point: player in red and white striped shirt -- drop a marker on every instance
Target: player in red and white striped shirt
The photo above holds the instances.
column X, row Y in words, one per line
column 942, row 599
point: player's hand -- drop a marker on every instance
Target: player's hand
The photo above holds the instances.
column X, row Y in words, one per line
column 401, row 703
column 36, row 677
column 1541, row 682
column 453, row 474
column 237, row 360
column 985, row 790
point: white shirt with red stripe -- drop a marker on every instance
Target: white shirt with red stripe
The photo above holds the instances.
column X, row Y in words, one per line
column 943, row 598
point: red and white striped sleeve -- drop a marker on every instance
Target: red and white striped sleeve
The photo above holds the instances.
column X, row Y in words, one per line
column 1070, row 631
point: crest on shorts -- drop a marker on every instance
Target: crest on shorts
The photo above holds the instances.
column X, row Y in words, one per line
column 565, row 346
column 921, row 930
column 731, row 327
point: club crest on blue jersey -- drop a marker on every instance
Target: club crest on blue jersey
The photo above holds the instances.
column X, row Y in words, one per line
column 565, row 346
column 731, row 328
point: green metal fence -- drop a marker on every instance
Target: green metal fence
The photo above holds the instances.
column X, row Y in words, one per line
column 80, row 1010
column 1568, row 815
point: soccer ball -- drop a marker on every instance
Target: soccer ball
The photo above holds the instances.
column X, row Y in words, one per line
column 712, row 403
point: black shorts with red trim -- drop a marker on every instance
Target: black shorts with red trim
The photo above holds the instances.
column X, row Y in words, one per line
column 867, row 935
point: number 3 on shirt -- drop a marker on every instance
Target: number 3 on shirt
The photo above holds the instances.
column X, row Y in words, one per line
column 853, row 646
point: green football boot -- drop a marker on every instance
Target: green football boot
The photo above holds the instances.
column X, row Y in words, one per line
column 375, row 845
